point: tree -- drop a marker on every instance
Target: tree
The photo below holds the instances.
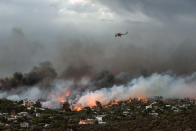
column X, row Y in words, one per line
column 88, row 110
column 98, row 104
column 37, row 104
column 66, row 107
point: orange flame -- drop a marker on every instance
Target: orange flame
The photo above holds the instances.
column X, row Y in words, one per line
column 115, row 102
column 92, row 103
column 144, row 100
column 52, row 95
column 78, row 108
column 62, row 98
column 129, row 101
column 68, row 93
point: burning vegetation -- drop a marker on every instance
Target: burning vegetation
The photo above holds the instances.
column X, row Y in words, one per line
column 42, row 99
column 92, row 89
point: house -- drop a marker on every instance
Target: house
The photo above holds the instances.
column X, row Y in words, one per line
column 184, row 106
column 46, row 125
column 88, row 121
column 168, row 105
column 37, row 114
column 138, row 107
column 24, row 125
column 100, row 119
column 154, row 103
column 7, row 125
column 102, row 122
column 155, row 107
column 28, row 103
column 174, row 108
column 13, row 113
column 23, row 114
column 154, row 114
column 1, row 124
column 28, row 108
column 11, row 119
column 42, row 109
column 125, row 112
column 149, row 107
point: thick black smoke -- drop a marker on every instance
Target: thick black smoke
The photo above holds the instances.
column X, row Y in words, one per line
column 43, row 75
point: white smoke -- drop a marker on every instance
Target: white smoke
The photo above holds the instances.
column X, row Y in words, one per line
column 66, row 91
column 164, row 85
column 155, row 85
column 58, row 92
column 33, row 94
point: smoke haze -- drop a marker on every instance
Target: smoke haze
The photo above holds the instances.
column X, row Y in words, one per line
column 68, row 35
column 80, row 93
column 85, row 60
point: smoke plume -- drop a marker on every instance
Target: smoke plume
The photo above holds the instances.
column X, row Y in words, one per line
column 80, row 93
column 89, row 63
column 156, row 85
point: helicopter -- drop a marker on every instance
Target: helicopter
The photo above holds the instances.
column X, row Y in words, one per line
column 120, row 34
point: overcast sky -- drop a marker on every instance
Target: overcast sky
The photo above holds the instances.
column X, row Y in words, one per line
column 32, row 31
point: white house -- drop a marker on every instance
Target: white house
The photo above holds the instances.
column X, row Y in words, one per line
column 24, row 124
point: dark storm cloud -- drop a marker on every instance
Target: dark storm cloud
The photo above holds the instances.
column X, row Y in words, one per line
column 159, row 9
column 161, row 35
